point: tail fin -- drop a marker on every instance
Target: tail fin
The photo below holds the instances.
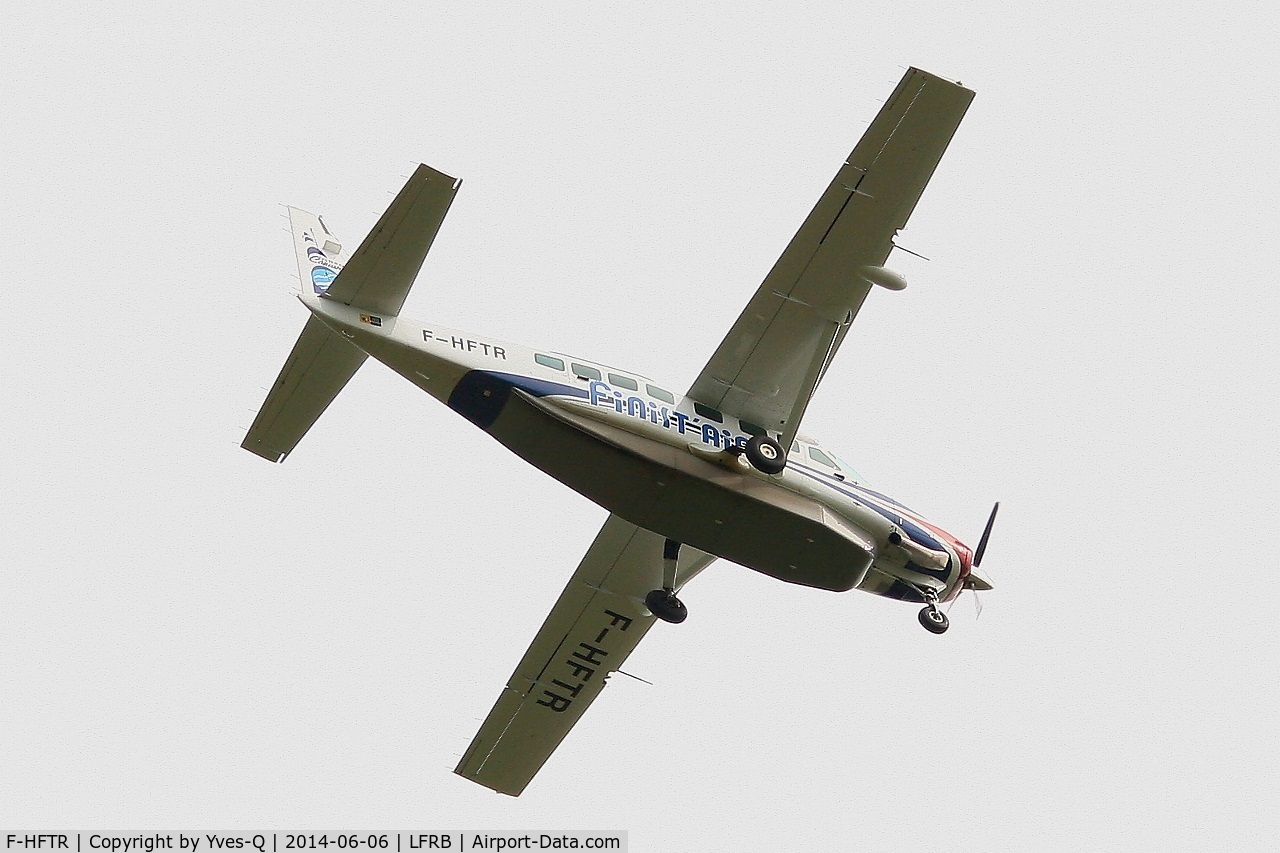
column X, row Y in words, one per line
column 377, row 278
column 320, row 255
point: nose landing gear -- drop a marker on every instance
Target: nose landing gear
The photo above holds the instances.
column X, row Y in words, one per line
column 933, row 619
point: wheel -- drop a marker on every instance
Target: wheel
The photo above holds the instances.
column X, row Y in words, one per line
column 934, row 620
column 766, row 454
column 664, row 604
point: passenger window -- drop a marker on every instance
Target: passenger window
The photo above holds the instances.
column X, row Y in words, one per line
column 664, row 396
column 708, row 413
column 751, row 429
column 623, row 382
column 548, row 361
column 818, row 456
column 585, row 371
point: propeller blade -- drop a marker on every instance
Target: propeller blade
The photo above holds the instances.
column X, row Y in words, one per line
column 986, row 534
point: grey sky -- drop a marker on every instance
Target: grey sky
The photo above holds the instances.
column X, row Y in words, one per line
column 191, row 637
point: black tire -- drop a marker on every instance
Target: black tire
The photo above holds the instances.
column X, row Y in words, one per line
column 766, row 455
column 666, row 606
column 934, row 620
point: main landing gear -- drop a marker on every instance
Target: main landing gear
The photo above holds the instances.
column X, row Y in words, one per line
column 766, row 455
column 663, row 602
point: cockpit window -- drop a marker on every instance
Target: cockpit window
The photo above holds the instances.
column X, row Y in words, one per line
column 849, row 471
column 821, row 458
column 585, row 371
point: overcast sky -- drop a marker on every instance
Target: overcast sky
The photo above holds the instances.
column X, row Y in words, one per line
column 191, row 637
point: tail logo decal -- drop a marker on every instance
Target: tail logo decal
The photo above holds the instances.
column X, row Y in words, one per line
column 321, row 278
column 323, row 270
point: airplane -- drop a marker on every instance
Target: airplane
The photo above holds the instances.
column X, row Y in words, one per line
column 719, row 471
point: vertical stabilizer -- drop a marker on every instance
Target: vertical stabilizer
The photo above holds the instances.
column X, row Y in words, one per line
column 320, row 255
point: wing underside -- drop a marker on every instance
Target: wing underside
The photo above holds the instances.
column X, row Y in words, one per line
column 775, row 354
column 595, row 624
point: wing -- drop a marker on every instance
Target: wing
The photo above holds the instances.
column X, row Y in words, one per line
column 381, row 271
column 595, row 624
column 768, row 365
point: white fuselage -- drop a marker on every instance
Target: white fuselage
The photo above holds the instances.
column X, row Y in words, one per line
column 663, row 461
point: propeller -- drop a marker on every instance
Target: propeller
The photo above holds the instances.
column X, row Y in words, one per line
column 973, row 582
column 986, row 534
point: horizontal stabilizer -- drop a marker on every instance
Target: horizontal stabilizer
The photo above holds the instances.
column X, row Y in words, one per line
column 318, row 368
column 379, row 274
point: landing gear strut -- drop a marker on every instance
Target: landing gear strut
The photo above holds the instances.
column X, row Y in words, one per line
column 663, row 602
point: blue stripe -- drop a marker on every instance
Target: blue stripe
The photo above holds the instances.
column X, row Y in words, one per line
column 884, row 498
column 915, row 531
column 481, row 395
column 539, row 387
